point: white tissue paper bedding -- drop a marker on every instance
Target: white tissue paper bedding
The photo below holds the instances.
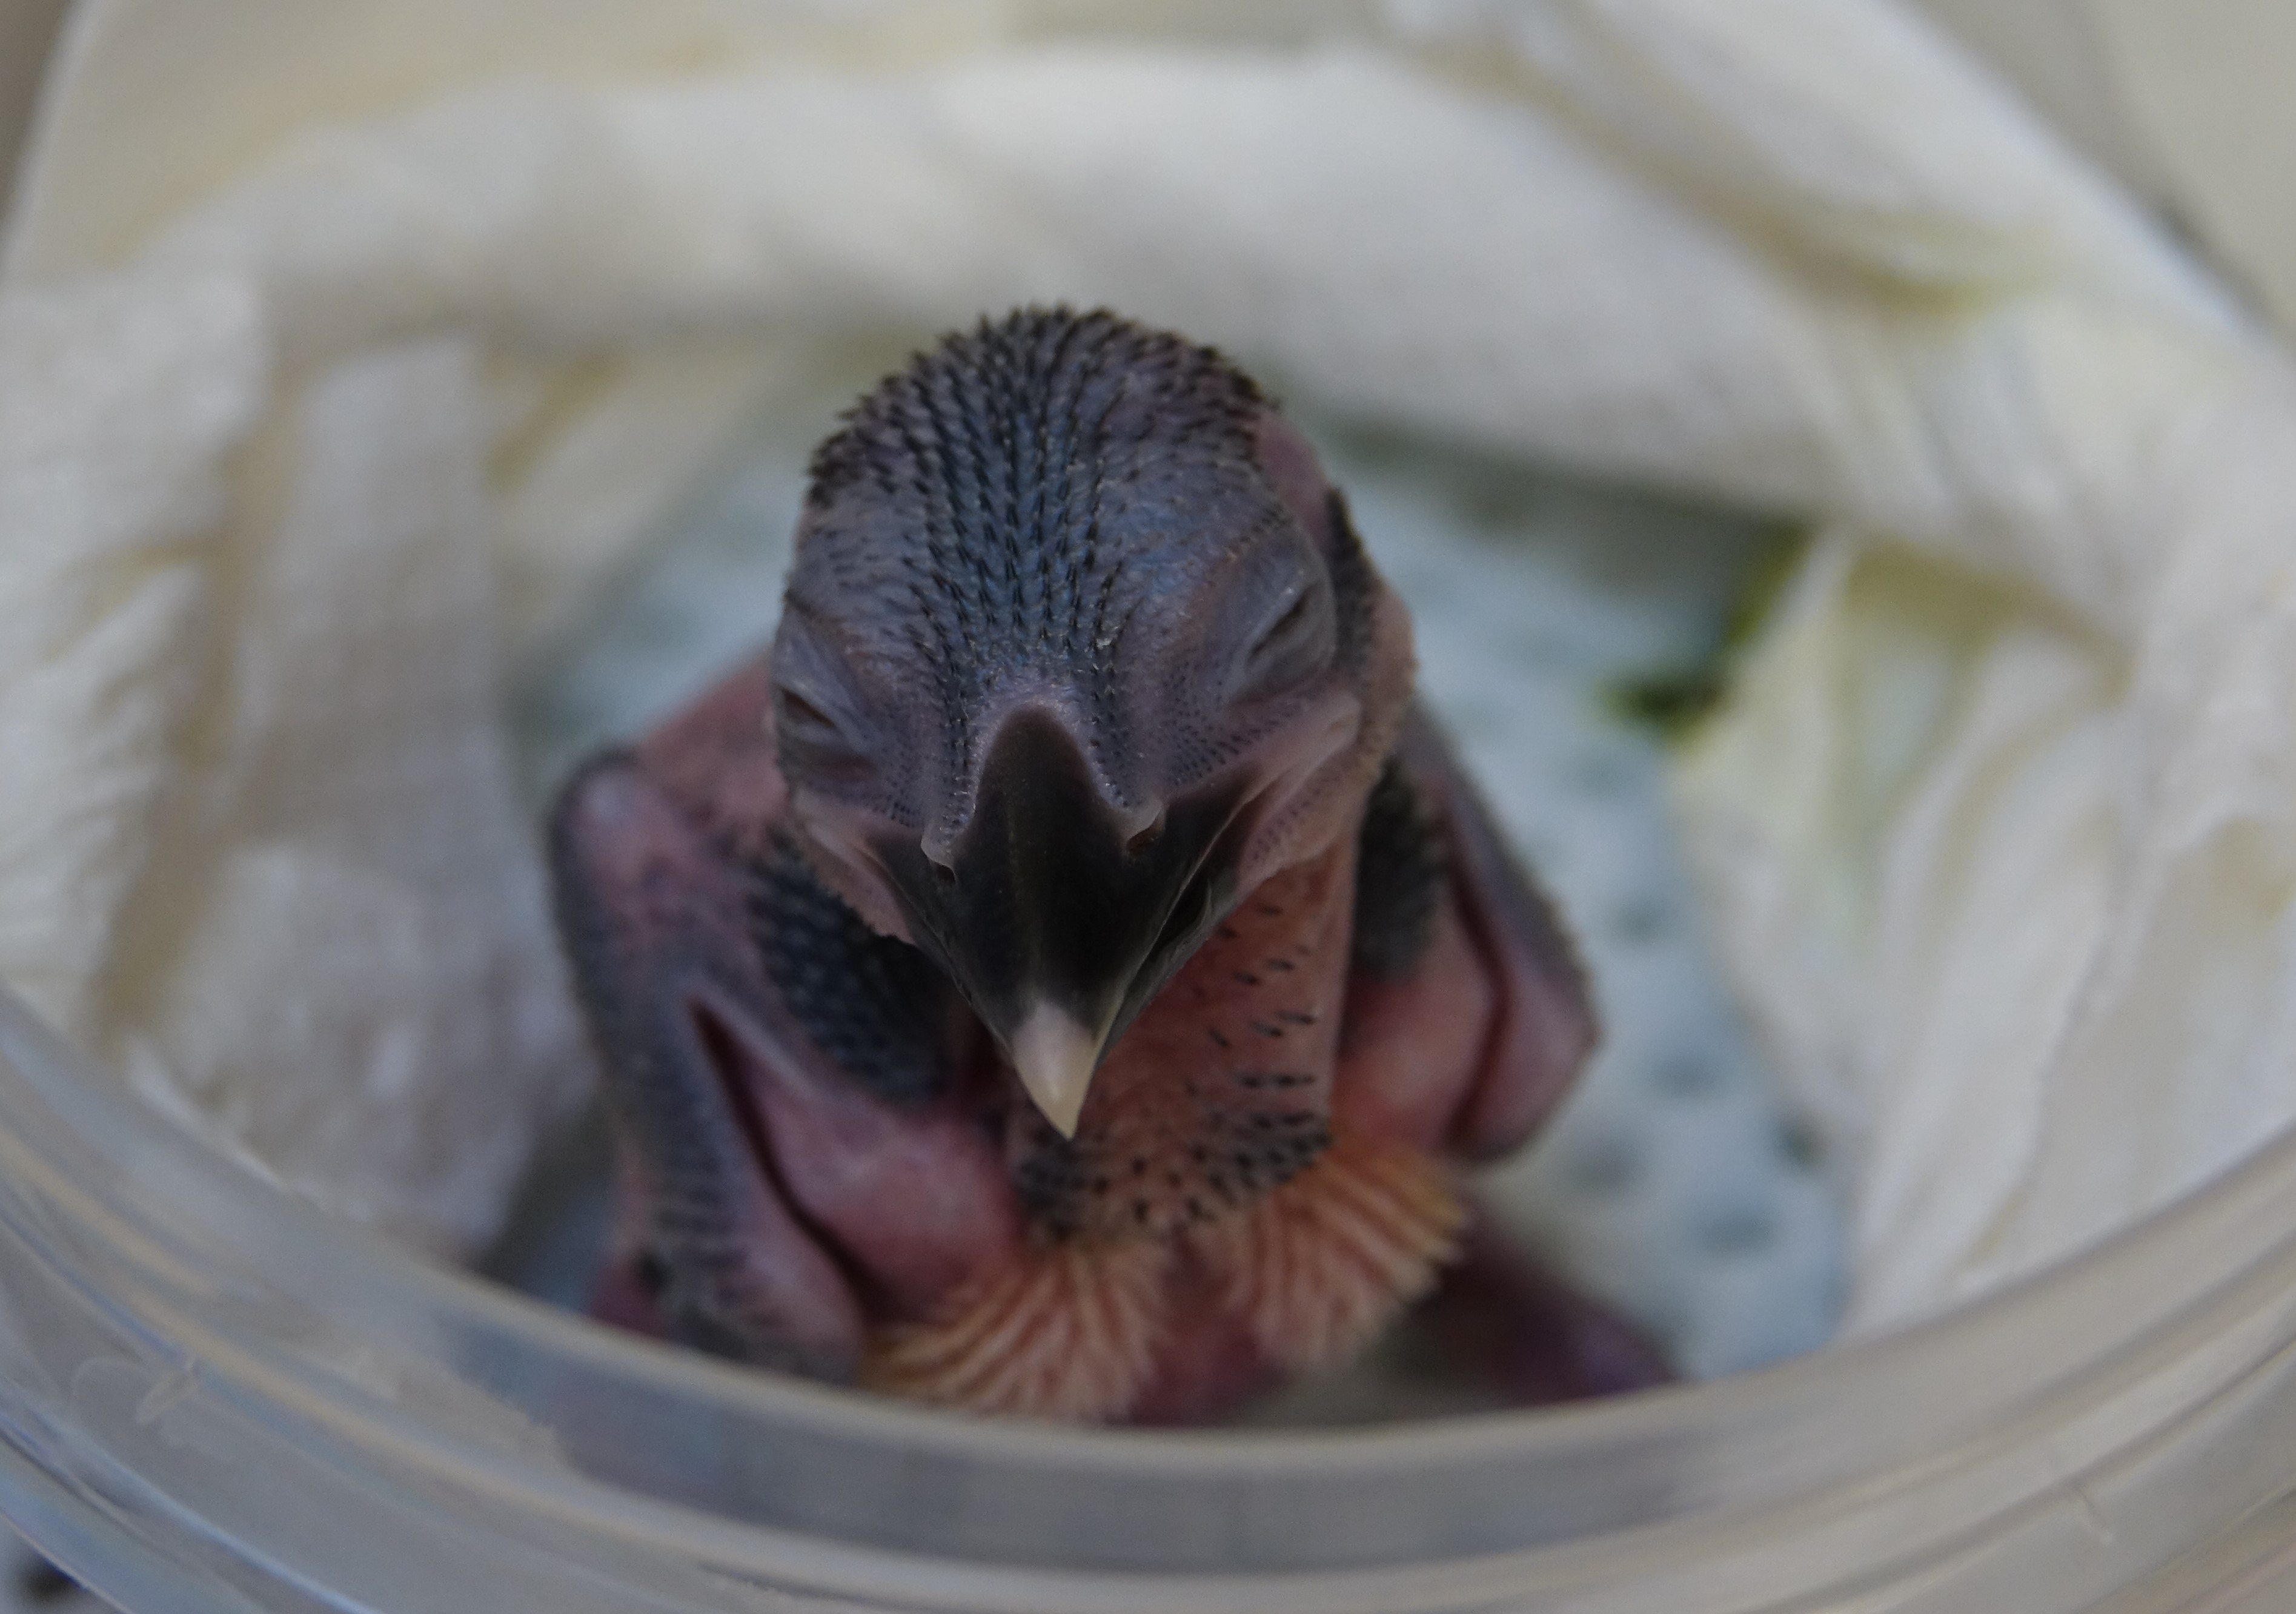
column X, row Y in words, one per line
column 307, row 441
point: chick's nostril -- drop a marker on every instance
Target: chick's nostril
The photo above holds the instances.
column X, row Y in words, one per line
column 1144, row 839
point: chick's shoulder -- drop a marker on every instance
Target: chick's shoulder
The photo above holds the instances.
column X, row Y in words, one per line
column 1060, row 976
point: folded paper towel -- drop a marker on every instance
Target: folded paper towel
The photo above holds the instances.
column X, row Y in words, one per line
column 1997, row 826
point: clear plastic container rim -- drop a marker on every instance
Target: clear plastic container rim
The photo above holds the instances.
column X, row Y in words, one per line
column 204, row 1268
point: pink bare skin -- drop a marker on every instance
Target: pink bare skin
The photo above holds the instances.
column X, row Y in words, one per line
column 1064, row 977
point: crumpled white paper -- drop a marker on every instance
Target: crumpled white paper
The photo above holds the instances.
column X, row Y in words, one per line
column 305, row 442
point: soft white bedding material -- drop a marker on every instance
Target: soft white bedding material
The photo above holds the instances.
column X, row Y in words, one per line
column 308, row 438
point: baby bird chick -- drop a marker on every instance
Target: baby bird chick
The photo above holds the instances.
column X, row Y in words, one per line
column 1062, row 976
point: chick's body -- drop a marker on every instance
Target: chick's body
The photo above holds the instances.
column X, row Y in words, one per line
column 1061, row 977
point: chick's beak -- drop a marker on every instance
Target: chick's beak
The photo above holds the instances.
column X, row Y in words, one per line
column 1054, row 1056
column 1056, row 918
